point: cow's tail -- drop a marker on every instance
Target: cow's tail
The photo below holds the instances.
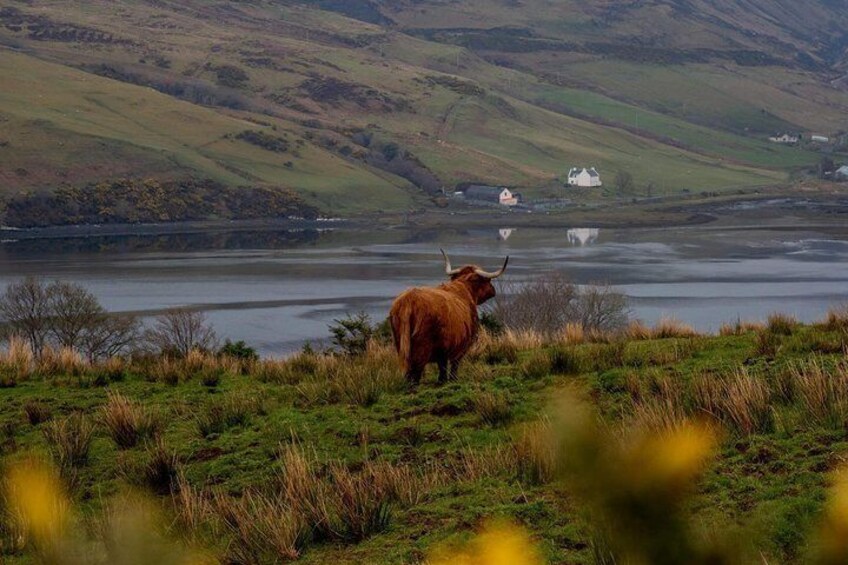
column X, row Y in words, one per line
column 403, row 326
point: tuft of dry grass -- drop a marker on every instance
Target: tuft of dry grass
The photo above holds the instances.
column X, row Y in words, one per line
column 767, row 343
column 493, row 408
column 740, row 327
column 822, row 393
column 17, row 363
column 69, row 440
column 36, row 412
column 670, row 327
column 234, row 409
column 536, row 366
column 160, row 470
column 362, row 501
column 536, row 452
column 262, row 528
column 740, row 401
column 837, row 319
column 663, row 409
column 781, row 324
column 636, row 330
column 128, row 422
column 476, row 464
column 65, row 362
column 572, row 334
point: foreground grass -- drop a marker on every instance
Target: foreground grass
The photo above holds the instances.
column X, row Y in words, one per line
column 341, row 462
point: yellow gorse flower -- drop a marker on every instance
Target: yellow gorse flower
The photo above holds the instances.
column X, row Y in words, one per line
column 499, row 544
column 38, row 502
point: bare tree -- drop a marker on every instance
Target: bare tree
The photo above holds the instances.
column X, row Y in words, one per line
column 179, row 331
column 25, row 309
column 551, row 301
column 74, row 312
column 601, row 308
column 113, row 336
column 544, row 304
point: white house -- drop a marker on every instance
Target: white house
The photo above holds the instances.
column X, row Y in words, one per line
column 820, row 138
column 784, row 138
column 584, row 177
column 493, row 194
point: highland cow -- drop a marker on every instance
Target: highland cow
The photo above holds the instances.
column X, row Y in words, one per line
column 439, row 325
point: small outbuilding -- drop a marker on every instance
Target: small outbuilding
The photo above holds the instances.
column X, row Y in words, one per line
column 841, row 174
column 584, row 177
column 786, row 138
column 492, row 194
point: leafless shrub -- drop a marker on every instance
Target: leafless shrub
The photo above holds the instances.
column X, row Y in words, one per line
column 67, row 316
column 110, row 337
column 25, row 308
column 181, row 331
column 549, row 303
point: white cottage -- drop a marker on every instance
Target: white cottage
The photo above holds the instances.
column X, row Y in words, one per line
column 584, row 177
column 493, row 194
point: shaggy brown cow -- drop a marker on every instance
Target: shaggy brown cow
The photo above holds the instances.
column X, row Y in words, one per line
column 439, row 325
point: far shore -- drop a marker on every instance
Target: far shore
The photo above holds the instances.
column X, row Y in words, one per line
column 776, row 208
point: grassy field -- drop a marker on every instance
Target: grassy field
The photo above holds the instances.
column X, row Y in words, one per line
column 395, row 475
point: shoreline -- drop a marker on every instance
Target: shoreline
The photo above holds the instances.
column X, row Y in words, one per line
column 777, row 209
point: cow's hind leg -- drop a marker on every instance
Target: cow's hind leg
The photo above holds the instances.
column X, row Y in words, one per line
column 413, row 375
column 442, row 361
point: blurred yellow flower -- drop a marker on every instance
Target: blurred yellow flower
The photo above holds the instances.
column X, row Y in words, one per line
column 675, row 458
column 37, row 501
column 500, row 543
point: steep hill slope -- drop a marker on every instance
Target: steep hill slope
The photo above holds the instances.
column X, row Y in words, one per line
column 368, row 105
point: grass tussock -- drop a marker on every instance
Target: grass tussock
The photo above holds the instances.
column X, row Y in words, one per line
column 231, row 410
column 636, row 330
column 69, row 440
column 65, row 362
column 740, row 327
column 670, row 327
column 572, row 334
column 740, row 401
column 128, row 422
column 493, row 408
column 536, row 452
column 781, row 324
column 822, row 393
column 17, row 363
column 36, row 412
column 836, row 319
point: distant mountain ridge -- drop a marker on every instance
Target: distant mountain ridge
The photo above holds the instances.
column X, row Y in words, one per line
column 368, row 105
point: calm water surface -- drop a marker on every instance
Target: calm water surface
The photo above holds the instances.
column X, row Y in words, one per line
column 278, row 289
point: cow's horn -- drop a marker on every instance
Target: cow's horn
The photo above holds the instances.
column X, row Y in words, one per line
column 496, row 274
column 448, row 270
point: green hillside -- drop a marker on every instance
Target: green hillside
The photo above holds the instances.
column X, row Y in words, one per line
column 367, row 106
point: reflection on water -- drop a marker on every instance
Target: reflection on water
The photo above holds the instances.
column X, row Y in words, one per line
column 276, row 289
column 583, row 236
column 505, row 233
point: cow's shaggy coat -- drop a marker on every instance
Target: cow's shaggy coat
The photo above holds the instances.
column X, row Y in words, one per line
column 439, row 325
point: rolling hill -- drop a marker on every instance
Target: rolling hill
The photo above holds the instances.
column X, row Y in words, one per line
column 365, row 105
